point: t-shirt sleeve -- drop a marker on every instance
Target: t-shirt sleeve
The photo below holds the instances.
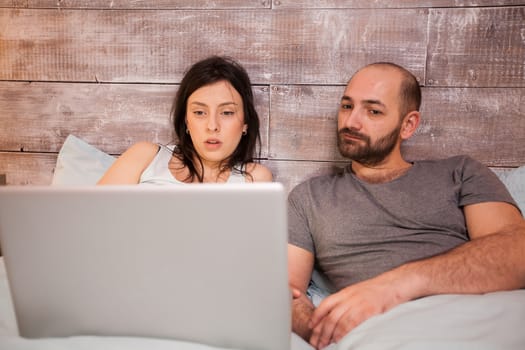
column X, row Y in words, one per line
column 299, row 233
column 479, row 184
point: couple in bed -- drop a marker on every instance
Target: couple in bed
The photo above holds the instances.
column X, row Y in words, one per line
column 383, row 232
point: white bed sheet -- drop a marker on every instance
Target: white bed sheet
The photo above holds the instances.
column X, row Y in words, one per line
column 491, row 321
column 478, row 322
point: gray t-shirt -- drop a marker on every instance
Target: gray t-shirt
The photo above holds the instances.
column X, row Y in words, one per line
column 358, row 230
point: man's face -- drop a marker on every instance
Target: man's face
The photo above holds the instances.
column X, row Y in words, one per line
column 369, row 123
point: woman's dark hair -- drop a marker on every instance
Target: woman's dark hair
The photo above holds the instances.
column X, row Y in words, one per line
column 208, row 71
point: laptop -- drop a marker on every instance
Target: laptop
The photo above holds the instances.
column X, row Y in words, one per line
column 203, row 263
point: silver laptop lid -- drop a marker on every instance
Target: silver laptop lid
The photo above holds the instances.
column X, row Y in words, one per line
column 204, row 263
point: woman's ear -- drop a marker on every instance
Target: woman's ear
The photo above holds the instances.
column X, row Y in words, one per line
column 409, row 124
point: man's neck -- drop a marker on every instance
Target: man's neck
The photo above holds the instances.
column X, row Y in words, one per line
column 386, row 171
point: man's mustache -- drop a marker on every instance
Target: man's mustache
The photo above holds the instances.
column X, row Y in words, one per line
column 352, row 133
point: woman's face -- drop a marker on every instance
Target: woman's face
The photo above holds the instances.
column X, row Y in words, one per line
column 215, row 121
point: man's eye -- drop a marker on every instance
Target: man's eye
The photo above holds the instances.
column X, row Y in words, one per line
column 346, row 106
column 375, row 112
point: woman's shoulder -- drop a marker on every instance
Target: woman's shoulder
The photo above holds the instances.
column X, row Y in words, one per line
column 140, row 154
column 143, row 147
column 130, row 165
column 258, row 173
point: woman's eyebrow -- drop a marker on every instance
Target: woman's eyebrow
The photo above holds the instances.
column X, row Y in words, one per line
column 198, row 103
column 228, row 103
column 205, row 105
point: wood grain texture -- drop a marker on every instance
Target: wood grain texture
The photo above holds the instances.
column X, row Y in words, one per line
column 125, row 45
column 107, row 71
column 22, row 168
column 303, row 122
column 325, row 4
column 37, row 117
column 324, row 47
column 138, row 4
column 242, row 4
column 477, row 47
column 487, row 124
column 158, row 46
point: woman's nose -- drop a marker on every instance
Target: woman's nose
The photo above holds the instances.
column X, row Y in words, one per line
column 213, row 122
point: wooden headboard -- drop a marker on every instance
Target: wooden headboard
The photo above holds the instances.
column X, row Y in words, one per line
column 106, row 71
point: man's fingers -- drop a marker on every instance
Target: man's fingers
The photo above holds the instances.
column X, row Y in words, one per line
column 324, row 308
column 323, row 333
column 346, row 323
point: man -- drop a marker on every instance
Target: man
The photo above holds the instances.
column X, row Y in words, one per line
column 387, row 230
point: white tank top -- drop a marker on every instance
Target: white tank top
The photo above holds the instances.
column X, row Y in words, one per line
column 158, row 173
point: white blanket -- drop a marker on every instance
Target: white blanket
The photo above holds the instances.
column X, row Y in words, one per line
column 477, row 322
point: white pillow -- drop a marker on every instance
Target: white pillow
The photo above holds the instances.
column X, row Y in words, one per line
column 515, row 182
column 80, row 163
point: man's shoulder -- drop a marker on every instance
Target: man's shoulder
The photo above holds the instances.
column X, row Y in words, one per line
column 319, row 182
column 458, row 168
column 324, row 179
column 453, row 162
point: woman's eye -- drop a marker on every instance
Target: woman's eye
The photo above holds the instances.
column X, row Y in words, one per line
column 228, row 113
column 198, row 113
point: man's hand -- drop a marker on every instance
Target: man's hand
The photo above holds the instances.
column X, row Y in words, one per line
column 302, row 310
column 341, row 312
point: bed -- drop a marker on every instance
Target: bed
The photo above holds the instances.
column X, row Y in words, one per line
column 488, row 321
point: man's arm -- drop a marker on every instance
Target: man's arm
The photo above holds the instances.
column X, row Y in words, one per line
column 494, row 259
column 300, row 267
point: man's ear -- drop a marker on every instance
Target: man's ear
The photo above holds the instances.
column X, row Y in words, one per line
column 409, row 124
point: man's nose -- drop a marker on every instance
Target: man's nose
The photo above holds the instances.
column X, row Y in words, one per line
column 351, row 119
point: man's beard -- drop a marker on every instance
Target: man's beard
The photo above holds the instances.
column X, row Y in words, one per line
column 363, row 151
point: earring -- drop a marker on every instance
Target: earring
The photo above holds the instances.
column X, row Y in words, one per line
column 187, row 131
column 244, row 132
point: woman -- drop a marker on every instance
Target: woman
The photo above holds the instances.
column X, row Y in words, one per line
column 217, row 131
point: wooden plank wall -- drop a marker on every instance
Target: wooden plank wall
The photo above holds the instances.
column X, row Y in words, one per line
column 107, row 71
